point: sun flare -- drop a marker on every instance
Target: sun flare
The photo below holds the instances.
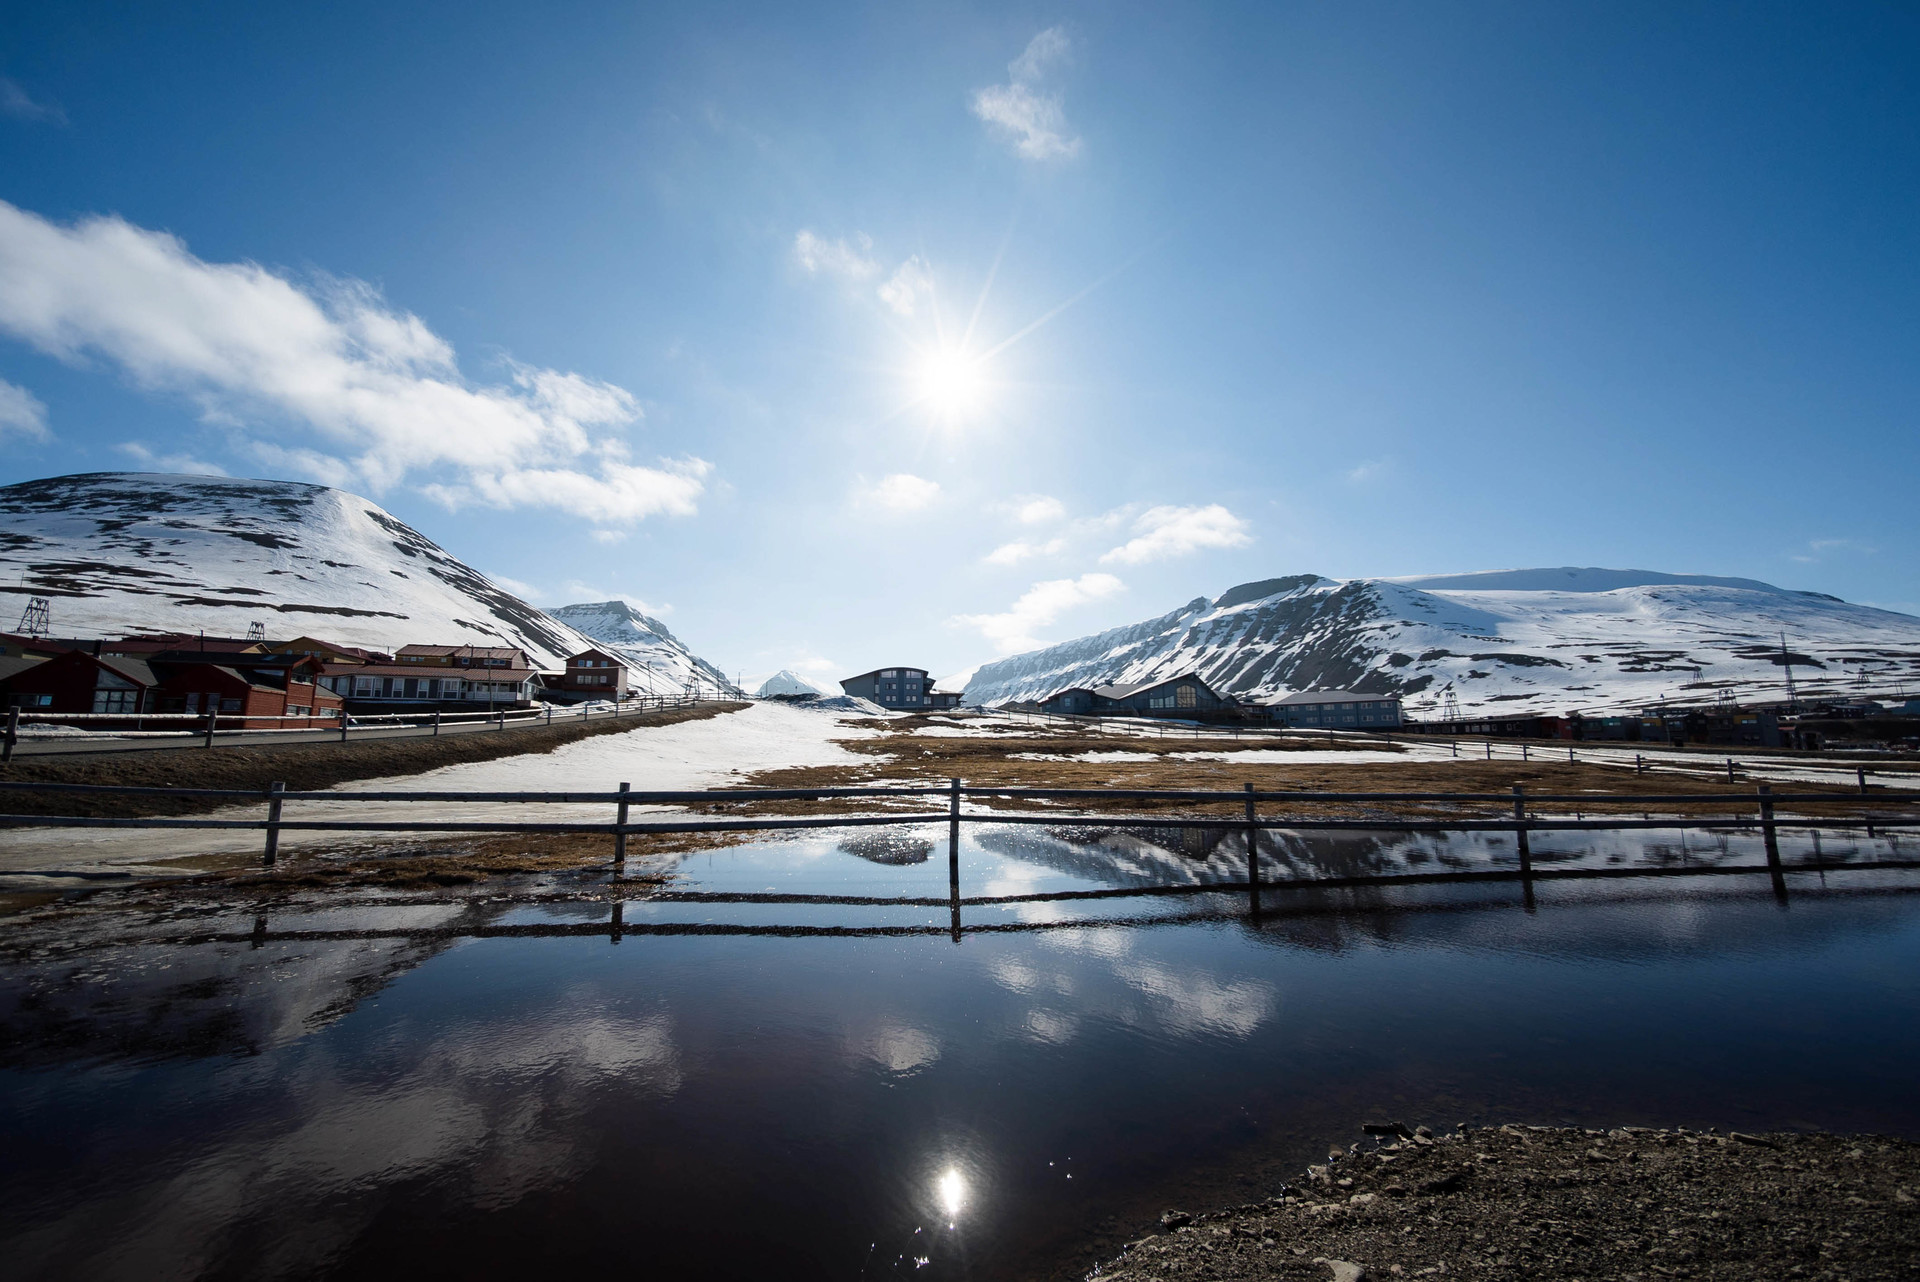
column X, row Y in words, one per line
column 950, row 382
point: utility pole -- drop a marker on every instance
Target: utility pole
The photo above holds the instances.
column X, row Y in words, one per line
column 1786, row 661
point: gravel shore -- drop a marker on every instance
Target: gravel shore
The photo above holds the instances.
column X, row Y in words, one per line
column 1526, row 1202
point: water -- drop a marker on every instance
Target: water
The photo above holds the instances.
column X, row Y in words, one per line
column 488, row 1083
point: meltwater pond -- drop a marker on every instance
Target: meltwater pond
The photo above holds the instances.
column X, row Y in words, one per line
column 742, row 1079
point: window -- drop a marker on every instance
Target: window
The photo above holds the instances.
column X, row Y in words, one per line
column 32, row 701
column 891, row 672
column 1185, row 697
column 298, row 710
column 226, row 705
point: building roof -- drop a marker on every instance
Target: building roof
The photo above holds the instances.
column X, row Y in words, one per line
column 597, row 654
column 159, row 642
column 364, row 655
column 135, row 670
column 15, row 663
column 44, row 645
column 898, row 667
column 464, row 651
column 1334, row 696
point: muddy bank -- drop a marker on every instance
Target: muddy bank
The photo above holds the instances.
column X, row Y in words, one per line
column 306, row 766
column 1546, row 1202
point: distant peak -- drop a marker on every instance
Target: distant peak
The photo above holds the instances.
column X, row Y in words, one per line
column 1264, row 588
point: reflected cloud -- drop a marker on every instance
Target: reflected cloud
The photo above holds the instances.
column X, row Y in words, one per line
column 1195, row 1002
column 899, row 1048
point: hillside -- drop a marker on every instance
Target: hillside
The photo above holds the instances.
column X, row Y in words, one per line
column 118, row 552
column 1551, row 640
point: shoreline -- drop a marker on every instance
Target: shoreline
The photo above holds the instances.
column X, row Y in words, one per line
column 1524, row 1202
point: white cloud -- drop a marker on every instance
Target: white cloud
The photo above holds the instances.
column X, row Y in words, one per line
column 18, row 103
column 1163, row 532
column 1021, row 110
column 21, row 411
column 184, row 464
column 903, row 492
column 1366, row 471
column 1037, row 509
column 370, row 394
column 820, row 257
column 1020, row 550
column 910, row 284
column 1038, row 607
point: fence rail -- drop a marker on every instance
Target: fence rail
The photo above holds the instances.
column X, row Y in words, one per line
column 206, row 725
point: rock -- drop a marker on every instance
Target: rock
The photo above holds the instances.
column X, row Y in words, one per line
column 1758, row 1141
column 1362, row 1199
column 1445, row 1183
column 1343, row 1270
column 1388, row 1128
column 1170, row 1220
column 1423, row 1132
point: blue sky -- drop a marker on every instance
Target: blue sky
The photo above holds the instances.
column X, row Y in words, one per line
column 850, row 335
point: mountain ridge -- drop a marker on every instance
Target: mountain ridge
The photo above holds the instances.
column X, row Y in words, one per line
column 1550, row 640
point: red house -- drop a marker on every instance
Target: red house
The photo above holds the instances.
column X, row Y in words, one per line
column 595, row 672
column 251, row 687
column 80, row 682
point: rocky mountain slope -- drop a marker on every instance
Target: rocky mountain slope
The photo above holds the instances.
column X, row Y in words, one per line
column 1534, row 641
column 119, row 552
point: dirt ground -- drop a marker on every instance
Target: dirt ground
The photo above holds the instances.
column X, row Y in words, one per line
column 912, row 750
column 1521, row 1202
column 299, row 766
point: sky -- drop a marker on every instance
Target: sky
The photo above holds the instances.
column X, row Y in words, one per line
column 850, row 335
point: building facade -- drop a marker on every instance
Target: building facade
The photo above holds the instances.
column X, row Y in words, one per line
column 892, row 687
column 595, row 673
column 1338, row 710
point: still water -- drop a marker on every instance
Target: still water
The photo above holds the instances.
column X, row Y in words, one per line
column 482, row 1083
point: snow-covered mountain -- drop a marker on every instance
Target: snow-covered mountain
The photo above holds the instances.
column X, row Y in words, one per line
column 658, row 663
column 1555, row 640
column 786, row 683
column 119, row 552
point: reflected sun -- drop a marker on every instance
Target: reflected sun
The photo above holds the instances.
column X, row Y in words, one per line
column 952, row 1191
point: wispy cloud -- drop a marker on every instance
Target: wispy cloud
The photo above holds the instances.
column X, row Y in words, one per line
column 1819, row 549
column 366, row 391
column 19, row 104
column 21, row 411
column 1033, row 118
column 1164, row 532
column 901, row 492
column 910, row 285
column 1036, row 509
column 1014, row 629
column 1366, row 471
column 184, row 464
column 845, row 259
column 1020, row 550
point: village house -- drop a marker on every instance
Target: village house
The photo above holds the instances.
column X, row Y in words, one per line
column 1181, row 696
column 594, row 673
column 892, row 687
column 1338, row 710
column 142, row 645
column 177, row 682
column 457, row 678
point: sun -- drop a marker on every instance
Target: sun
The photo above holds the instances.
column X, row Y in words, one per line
column 950, row 382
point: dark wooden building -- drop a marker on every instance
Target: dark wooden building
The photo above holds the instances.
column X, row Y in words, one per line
column 594, row 673
column 1337, row 710
column 1180, row 697
column 893, row 687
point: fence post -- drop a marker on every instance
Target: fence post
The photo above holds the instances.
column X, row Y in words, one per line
column 1489, row 750
column 1253, row 853
column 1523, row 753
column 1520, row 820
column 953, row 853
column 210, row 721
column 273, row 822
column 620, row 820
column 1639, row 766
column 343, row 723
column 1729, row 769
column 1861, row 774
column 1773, row 843
column 13, row 734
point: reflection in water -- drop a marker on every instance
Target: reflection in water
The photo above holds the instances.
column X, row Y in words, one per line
column 898, row 847
column 394, row 1084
